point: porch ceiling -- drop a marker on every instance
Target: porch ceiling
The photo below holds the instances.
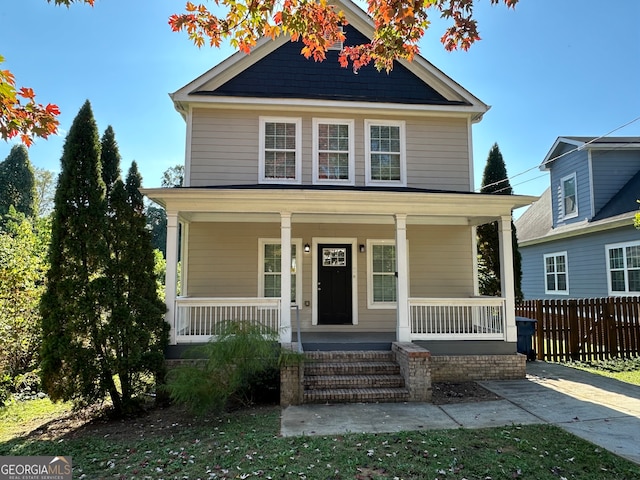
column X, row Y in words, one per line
column 334, row 206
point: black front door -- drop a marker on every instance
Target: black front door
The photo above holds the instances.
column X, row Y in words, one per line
column 334, row 285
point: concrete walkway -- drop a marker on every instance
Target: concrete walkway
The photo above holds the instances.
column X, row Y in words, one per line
column 601, row 410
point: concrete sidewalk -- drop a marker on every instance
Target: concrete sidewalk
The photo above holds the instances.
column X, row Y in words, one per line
column 601, row 410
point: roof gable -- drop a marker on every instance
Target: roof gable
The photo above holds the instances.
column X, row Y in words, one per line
column 275, row 69
column 285, row 73
column 586, row 143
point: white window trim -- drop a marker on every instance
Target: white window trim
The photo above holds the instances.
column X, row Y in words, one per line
column 316, row 151
column 566, row 272
column 299, row 252
column 563, row 196
column 607, row 249
column 371, row 304
column 403, row 156
column 261, row 150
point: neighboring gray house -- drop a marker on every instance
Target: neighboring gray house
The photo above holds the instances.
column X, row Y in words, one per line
column 579, row 240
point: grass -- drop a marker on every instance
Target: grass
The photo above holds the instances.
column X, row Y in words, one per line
column 17, row 418
column 625, row 370
column 246, row 444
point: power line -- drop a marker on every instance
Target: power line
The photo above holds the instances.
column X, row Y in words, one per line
column 576, row 149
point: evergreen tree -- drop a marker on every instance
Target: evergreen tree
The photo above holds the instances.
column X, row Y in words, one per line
column 102, row 316
column 495, row 180
column 109, row 159
column 74, row 352
column 137, row 328
column 17, row 183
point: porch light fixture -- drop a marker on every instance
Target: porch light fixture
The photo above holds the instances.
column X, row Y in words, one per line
column 361, row 248
column 307, row 248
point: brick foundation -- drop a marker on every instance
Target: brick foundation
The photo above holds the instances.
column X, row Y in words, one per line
column 414, row 364
column 468, row 368
column 291, row 373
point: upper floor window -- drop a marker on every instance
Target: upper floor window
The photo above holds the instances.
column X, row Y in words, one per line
column 333, row 146
column 280, row 150
column 555, row 269
column 385, row 153
column 623, row 267
column 569, row 196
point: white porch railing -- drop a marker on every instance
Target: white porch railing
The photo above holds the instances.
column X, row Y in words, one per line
column 478, row 318
column 199, row 319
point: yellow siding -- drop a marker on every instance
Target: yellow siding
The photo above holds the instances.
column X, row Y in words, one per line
column 224, row 148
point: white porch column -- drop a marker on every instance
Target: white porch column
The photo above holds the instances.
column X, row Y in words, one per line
column 171, row 274
column 507, row 278
column 403, row 330
column 285, row 277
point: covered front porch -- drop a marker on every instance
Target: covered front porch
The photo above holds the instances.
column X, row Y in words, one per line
column 428, row 294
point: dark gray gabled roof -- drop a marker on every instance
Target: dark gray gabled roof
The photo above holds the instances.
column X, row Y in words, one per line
column 626, row 200
column 605, row 140
column 536, row 221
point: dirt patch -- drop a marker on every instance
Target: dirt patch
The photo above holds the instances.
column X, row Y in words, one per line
column 450, row 392
column 95, row 421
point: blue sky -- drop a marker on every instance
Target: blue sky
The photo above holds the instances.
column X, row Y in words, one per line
column 548, row 68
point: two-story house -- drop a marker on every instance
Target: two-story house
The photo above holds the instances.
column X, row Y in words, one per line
column 334, row 206
column 579, row 240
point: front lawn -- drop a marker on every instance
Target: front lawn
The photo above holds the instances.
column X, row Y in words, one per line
column 625, row 370
column 170, row 443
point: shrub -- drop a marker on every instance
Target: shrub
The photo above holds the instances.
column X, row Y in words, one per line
column 238, row 367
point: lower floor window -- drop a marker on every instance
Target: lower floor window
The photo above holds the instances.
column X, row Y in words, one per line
column 555, row 266
column 382, row 273
column 624, row 268
column 270, row 269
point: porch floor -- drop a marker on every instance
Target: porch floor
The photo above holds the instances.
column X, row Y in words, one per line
column 328, row 341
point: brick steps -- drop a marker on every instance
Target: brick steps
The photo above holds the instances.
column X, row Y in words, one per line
column 353, row 395
column 352, row 376
column 352, row 368
column 320, row 382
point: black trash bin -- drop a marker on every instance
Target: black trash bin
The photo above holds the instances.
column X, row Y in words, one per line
column 526, row 330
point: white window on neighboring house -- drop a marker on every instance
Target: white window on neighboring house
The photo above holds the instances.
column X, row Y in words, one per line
column 280, row 150
column 333, row 146
column 556, row 273
column 569, row 196
column 623, row 268
column 381, row 268
column 385, row 153
column 270, row 278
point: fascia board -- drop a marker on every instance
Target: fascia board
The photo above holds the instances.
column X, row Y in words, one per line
column 614, row 146
column 548, row 159
column 625, row 221
column 301, row 201
column 293, row 104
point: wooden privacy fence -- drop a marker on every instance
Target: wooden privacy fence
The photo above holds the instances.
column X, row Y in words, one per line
column 584, row 329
